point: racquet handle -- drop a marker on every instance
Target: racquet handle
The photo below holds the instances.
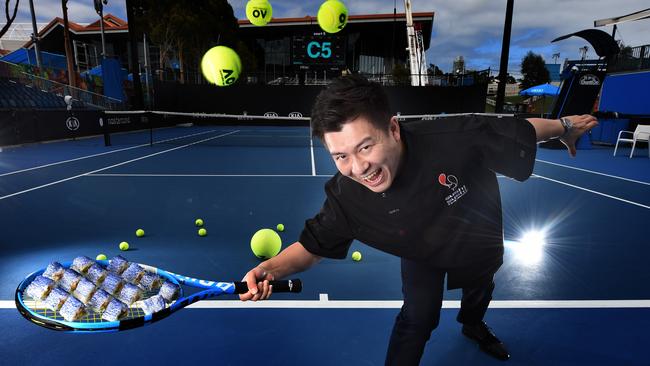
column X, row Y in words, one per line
column 294, row 286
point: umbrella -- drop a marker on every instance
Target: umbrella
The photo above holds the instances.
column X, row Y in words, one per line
column 539, row 90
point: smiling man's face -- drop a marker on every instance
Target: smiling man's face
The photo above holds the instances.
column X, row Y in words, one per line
column 367, row 155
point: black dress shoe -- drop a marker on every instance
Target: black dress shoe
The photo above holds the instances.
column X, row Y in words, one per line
column 488, row 342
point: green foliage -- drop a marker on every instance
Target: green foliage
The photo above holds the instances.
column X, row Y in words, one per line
column 534, row 70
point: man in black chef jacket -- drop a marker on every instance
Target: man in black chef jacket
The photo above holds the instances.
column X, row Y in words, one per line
column 424, row 191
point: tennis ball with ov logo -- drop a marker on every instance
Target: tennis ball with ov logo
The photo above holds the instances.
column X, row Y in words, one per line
column 259, row 12
column 221, row 66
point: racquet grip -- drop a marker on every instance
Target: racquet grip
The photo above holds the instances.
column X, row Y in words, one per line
column 294, row 285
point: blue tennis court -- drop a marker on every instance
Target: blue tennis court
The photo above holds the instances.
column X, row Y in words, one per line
column 581, row 299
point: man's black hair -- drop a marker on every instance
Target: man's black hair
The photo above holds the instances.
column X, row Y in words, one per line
column 347, row 98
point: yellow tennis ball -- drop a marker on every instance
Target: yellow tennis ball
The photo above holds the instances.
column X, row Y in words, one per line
column 101, row 257
column 139, row 233
column 124, row 246
column 221, row 65
column 259, row 12
column 203, row 232
column 356, row 256
column 332, row 16
column 198, row 222
column 266, row 243
column 280, row 227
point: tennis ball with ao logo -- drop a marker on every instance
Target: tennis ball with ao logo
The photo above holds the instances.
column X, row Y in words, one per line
column 266, row 243
column 332, row 16
column 259, row 12
column 221, row 66
column 124, row 246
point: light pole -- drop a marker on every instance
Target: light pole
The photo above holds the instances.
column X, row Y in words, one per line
column 99, row 7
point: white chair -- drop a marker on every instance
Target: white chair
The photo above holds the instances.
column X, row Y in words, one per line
column 642, row 133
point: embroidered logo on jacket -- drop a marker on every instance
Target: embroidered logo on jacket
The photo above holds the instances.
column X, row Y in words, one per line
column 451, row 182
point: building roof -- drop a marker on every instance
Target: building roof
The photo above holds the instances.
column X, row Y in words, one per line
column 112, row 24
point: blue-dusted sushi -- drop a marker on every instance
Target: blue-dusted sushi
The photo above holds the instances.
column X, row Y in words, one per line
column 112, row 284
column 54, row 271
column 81, row 264
column 133, row 273
column 169, row 291
column 96, row 274
column 40, row 287
column 115, row 310
column 153, row 304
column 150, row 281
column 69, row 280
column 117, row 264
column 56, row 299
column 129, row 294
column 84, row 291
column 72, row 310
column 99, row 301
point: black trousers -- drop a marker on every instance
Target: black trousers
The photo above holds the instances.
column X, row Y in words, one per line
column 423, row 289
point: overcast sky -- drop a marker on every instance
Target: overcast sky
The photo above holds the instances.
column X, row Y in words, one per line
column 471, row 28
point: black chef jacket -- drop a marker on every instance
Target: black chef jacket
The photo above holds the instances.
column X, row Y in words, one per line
column 443, row 207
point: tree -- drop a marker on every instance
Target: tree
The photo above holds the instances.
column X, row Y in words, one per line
column 188, row 28
column 534, row 71
column 68, row 49
column 434, row 70
column 10, row 18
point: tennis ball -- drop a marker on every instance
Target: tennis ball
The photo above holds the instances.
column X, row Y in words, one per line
column 203, row 232
column 101, row 257
column 198, row 222
column 266, row 243
column 259, row 12
column 280, row 227
column 332, row 16
column 221, row 65
column 124, row 246
column 356, row 256
column 139, row 233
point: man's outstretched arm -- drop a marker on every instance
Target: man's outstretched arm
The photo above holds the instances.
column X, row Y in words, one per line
column 546, row 129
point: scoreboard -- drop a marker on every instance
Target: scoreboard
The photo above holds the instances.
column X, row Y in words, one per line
column 318, row 49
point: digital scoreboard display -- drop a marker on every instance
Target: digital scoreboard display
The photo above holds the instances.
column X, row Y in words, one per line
column 318, row 49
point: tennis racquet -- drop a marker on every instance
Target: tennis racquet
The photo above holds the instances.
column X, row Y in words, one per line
column 45, row 311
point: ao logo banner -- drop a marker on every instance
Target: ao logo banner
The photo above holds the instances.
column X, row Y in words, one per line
column 72, row 123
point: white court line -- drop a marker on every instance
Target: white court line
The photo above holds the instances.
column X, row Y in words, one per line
column 211, row 175
column 313, row 163
column 595, row 192
column 593, row 172
column 396, row 304
column 99, row 154
column 115, row 165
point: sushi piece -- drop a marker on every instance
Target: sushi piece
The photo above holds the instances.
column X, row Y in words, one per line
column 69, row 280
column 84, row 291
column 169, row 291
column 112, row 284
column 153, row 304
column 81, row 264
column 96, row 274
column 115, row 310
column 150, row 281
column 129, row 294
column 133, row 273
column 40, row 287
column 56, row 299
column 72, row 310
column 54, row 271
column 99, row 301
column 118, row 264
